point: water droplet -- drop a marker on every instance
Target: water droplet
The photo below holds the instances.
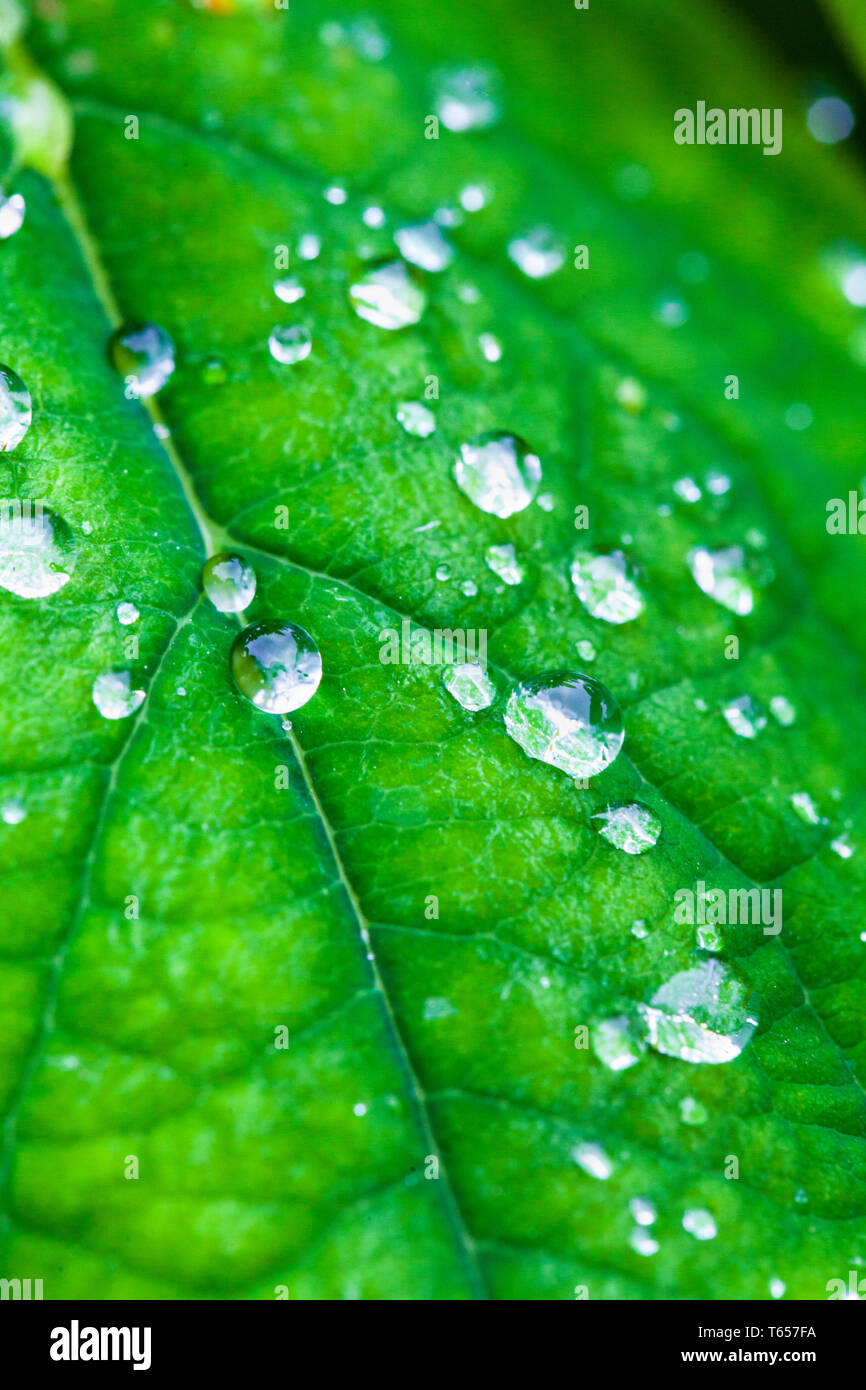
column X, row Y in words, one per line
column 144, row 355
column 745, row 717
column 687, row 490
column 829, row 120
column 783, row 711
column 633, row 828
column 639, row 929
column 37, row 550
column 503, row 561
column 693, row 1112
column 229, row 582
column 373, row 217
column 309, row 246
column 710, row 937
column 389, row 296
column 290, row 345
column 631, row 395
column 16, row 409
column 728, row 575
column 469, row 588
column 443, row 572
column 12, row 210
column 13, row 812
column 538, row 253
column 467, row 98
column 670, row 311
column 470, row 685
column 642, row 1242
column 359, row 1109
column 777, row 1288
column 699, row 1223
column 437, row 1007
column 700, row 1015
column 842, row 846
column 491, row 348
column 800, row 1196
column 213, row 373
column 498, row 472
column 799, row 416
column 718, row 484
column 545, row 501
column 127, row 613
column 569, row 721
column 416, row 418
column 805, row 808
column 475, row 196
column 423, row 244
column 585, row 650
column 614, row 1045
column 336, row 195
column 277, row 666
column 113, row 695
column 593, row 1160
column 643, row 1211
column 289, row 289
column 605, row 583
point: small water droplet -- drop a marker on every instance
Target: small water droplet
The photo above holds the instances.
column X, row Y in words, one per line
column 309, row 246
column 643, row 1211
column 639, row 929
column 777, row 1288
column 443, row 572
column 359, row 1109
column 605, row 583
column 127, row 613
column 800, row 1196
column 467, row 98
column 498, row 472
column 593, row 1160
column 423, row 244
column 291, row 344
column 567, row 720
column 729, row 576
column 538, row 253
column 709, row 937
column 470, row 685
column 390, row 296
column 503, row 561
column 829, row 120
column 277, row 666
column 631, row 395
column 16, row 409
column 783, row 711
column 700, row 1015
column 373, row 217
column 113, row 695
column 416, row 418
column 693, row 1112
column 699, row 1223
column 289, row 289
column 37, row 550
column 614, row 1045
column 842, row 846
column 437, row 1007
column 491, row 348
column 642, row 1242
column 213, row 373
column 144, row 355
column 805, row 808
column 633, row 828
column 475, row 196
column 745, row 717
column 799, row 416
column 229, row 582
column 12, row 210
column 718, row 484
column 336, row 195
column 13, row 812
column 585, row 650
column 687, row 490
column 670, row 311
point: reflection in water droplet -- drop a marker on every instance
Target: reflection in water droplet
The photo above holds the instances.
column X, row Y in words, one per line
column 389, row 296
column 229, row 582
column 700, row 1224
column 593, row 1160
column 470, row 685
column 289, row 289
column 144, row 355
column 604, row 581
column 633, row 828
column 416, row 418
column 569, row 721
column 538, row 253
column 745, row 717
column 503, row 561
column 127, row 613
column 423, row 244
column 498, row 472
column 12, row 210
column 467, row 98
column 277, row 666
column 113, row 695
column 37, row 550
column 291, row 344
column 729, row 575
column 16, row 409
column 614, row 1045
column 13, row 812
column 701, row 1015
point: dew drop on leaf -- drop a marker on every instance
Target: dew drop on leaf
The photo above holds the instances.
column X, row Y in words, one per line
column 16, row 409
column 13, row 812
column 127, row 614
column 144, row 355
column 291, row 344
column 699, row 1223
column 614, row 1044
column 37, row 550
column 693, row 1112
column 229, row 582
column 605, row 583
column 289, row 289
column 12, row 210
column 390, row 295
column 593, row 1160
column 470, row 685
column 567, row 720
column 416, row 418
column 633, row 828
column 700, row 1015
column 277, row 666
column 503, row 561
column 114, row 696
column 498, row 472
column 642, row 1242
column 538, row 253
column 642, row 1210
column 729, row 575
column 467, row 98
column 745, row 717
column 423, row 244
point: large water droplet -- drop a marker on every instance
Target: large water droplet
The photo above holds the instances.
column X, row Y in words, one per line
column 570, row 721
column 729, row 575
column 229, row 582
column 538, row 253
column 503, row 561
column 16, row 409
column 143, row 353
column 277, row 666
column 291, row 344
column 12, row 210
column 113, row 695
column 423, row 244
column 467, row 98
column 604, row 581
column 37, row 550
column 498, row 472
column 470, row 685
column 701, row 1015
column 416, row 418
column 389, row 296
column 633, row 828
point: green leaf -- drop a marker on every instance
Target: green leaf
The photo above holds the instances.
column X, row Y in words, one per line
column 168, row 904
